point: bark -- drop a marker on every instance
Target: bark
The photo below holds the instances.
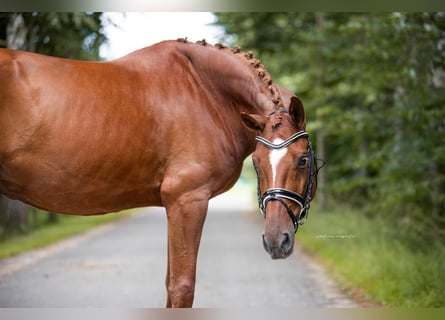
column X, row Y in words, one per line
column 320, row 140
column 16, row 33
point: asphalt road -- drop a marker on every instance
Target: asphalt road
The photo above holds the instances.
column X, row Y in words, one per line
column 123, row 266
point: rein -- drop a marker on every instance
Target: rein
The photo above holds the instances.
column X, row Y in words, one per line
column 279, row 194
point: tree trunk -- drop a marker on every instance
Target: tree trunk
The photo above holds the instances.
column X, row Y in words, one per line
column 14, row 217
column 320, row 140
column 53, row 217
column 16, row 33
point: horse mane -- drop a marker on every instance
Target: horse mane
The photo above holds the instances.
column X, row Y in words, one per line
column 277, row 120
column 254, row 63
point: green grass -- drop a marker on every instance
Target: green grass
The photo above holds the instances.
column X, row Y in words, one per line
column 51, row 233
column 367, row 258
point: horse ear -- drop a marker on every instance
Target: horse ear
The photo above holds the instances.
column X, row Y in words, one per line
column 296, row 111
column 254, row 122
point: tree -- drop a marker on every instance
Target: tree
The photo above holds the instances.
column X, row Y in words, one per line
column 70, row 35
column 374, row 84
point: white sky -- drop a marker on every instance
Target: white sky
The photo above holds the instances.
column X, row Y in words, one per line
column 135, row 30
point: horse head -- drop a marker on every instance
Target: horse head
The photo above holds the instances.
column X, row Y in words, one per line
column 286, row 168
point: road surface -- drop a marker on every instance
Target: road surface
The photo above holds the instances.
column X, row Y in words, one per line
column 123, row 265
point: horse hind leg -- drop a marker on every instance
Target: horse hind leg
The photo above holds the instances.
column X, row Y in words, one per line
column 185, row 216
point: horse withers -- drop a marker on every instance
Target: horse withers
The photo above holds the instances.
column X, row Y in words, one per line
column 168, row 125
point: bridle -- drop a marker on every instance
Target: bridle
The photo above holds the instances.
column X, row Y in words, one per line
column 279, row 194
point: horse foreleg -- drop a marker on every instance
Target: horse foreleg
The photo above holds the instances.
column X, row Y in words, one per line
column 185, row 221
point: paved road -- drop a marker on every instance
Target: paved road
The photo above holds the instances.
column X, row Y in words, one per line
column 123, row 265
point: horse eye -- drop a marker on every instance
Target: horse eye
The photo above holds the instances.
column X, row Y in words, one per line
column 302, row 162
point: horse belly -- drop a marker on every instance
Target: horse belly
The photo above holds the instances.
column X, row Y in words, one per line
column 79, row 183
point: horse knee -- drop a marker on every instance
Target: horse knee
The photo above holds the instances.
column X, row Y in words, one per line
column 181, row 293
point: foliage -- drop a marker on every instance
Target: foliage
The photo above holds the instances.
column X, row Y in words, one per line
column 374, row 85
column 369, row 254
column 45, row 234
column 74, row 35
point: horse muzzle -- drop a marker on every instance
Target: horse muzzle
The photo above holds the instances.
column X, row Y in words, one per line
column 280, row 246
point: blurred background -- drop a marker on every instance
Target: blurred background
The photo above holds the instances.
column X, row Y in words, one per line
column 373, row 86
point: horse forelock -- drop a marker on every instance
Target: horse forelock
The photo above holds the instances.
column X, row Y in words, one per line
column 255, row 64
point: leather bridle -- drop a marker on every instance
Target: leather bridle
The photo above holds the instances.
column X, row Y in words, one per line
column 280, row 194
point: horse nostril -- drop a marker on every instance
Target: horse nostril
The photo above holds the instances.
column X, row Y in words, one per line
column 280, row 247
column 265, row 244
column 286, row 242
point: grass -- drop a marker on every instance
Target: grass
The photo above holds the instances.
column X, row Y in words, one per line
column 51, row 233
column 367, row 258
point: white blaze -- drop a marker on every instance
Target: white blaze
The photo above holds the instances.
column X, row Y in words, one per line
column 275, row 157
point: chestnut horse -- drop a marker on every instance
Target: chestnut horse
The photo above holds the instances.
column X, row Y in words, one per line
column 168, row 125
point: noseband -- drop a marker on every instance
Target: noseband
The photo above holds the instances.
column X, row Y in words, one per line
column 279, row 194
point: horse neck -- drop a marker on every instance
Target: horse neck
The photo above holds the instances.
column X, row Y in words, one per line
column 236, row 78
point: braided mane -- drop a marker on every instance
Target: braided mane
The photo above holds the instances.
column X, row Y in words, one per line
column 277, row 120
column 255, row 64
